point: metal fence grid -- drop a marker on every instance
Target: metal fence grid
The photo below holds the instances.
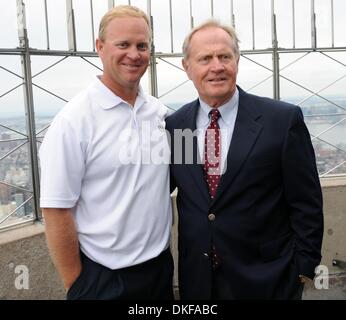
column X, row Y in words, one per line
column 44, row 57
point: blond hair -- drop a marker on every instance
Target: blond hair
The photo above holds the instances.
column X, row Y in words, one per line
column 121, row 11
column 211, row 24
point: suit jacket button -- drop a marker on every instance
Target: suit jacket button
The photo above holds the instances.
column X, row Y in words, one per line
column 206, row 255
column 211, row 217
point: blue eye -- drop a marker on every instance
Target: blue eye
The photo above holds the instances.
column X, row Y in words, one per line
column 143, row 46
column 205, row 59
column 122, row 45
column 225, row 57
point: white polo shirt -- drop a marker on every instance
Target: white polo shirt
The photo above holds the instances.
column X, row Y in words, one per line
column 108, row 161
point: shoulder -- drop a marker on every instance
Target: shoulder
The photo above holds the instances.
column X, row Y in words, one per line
column 182, row 112
column 83, row 106
column 269, row 107
column 155, row 105
column 75, row 116
column 78, row 106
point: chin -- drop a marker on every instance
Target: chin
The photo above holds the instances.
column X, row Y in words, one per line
column 133, row 79
column 220, row 94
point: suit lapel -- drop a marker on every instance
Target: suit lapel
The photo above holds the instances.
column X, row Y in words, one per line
column 246, row 131
column 195, row 169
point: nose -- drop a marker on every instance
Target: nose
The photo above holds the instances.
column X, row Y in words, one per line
column 217, row 65
column 133, row 53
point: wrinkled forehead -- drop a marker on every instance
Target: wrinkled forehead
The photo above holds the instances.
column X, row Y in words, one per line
column 211, row 40
column 212, row 35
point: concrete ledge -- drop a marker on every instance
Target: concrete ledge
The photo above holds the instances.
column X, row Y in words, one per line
column 26, row 271
column 336, row 289
column 21, row 233
column 333, row 181
column 334, row 240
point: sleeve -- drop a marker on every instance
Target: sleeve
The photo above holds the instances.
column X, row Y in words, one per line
column 62, row 166
column 172, row 184
column 170, row 138
column 303, row 194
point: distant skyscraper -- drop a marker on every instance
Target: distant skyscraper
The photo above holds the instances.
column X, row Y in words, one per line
column 5, row 194
column 19, row 199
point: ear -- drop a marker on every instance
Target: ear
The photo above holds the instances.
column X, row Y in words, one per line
column 238, row 59
column 99, row 47
column 238, row 64
column 186, row 67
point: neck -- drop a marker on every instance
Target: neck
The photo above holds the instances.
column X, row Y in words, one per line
column 218, row 102
column 128, row 94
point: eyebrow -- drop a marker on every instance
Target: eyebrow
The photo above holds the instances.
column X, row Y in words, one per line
column 222, row 52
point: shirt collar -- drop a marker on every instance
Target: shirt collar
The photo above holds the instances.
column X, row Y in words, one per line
column 225, row 110
column 107, row 99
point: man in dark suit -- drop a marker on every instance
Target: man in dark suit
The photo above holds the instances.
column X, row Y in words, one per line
column 249, row 197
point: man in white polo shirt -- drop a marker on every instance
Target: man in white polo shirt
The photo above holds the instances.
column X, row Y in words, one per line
column 105, row 177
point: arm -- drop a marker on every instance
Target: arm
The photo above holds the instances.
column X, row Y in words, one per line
column 63, row 244
column 303, row 195
column 172, row 185
column 62, row 171
column 170, row 138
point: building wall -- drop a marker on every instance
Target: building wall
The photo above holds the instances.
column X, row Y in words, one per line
column 26, row 271
column 334, row 240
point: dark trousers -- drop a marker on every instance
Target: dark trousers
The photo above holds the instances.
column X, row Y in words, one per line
column 220, row 286
column 149, row 280
column 221, row 289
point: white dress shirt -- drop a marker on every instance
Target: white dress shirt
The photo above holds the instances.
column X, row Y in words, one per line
column 228, row 114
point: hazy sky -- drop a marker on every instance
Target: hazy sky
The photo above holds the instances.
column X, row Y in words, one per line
column 315, row 71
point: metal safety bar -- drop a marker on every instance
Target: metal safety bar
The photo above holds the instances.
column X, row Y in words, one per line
column 25, row 52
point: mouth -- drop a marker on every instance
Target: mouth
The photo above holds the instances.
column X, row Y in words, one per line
column 132, row 67
column 217, row 80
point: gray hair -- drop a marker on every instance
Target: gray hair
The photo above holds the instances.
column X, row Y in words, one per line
column 211, row 24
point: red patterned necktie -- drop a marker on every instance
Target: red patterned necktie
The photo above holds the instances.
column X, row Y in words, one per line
column 212, row 153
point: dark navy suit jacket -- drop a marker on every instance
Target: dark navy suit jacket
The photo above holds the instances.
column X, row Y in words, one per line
column 269, row 221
